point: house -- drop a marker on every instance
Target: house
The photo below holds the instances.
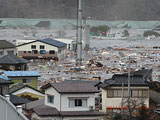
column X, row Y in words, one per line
column 45, row 48
column 13, row 63
column 25, row 77
column 7, row 48
column 4, row 85
column 115, row 90
column 68, row 101
column 25, row 90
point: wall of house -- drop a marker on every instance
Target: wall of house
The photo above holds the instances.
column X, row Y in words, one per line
column 117, row 102
column 53, row 92
column 61, row 102
column 5, row 89
column 19, row 80
column 90, row 102
column 27, row 48
column 13, row 68
column 5, row 51
column 27, row 90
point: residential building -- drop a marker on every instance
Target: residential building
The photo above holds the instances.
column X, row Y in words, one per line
column 25, row 90
column 13, row 63
column 4, row 85
column 115, row 90
column 26, row 77
column 45, row 49
column 7, row 48
column 68, row 101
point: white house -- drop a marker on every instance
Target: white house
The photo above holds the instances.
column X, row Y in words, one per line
column 45, row 48
column 115, row 91
column 68, row 101
column 7, row 48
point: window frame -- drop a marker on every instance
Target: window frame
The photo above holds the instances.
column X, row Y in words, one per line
column 41, row 47
column 49, row 100
column 26, row 81
column 76, row 100
column 33, row 46
column 52, row 51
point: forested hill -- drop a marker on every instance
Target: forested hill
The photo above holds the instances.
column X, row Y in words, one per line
column 97, row 9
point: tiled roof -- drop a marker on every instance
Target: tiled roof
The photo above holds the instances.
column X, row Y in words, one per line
column 136, row 79
column 21, row 73
column 82, row 113
column 3, row 76
column 73, row 87
column 5, row 44
column 34, row 104
column 12, row 59
column 46, row 111
column 53, row 42
column 2, row 81
column 48, row 41
column 16, row 100
column 51, row 111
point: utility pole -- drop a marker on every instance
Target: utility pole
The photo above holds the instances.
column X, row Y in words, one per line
column 129, row 79
column 122, row 96
column 79, row 28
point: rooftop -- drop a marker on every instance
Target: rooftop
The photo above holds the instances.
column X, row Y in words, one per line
column 51, row 111
column 21, row 73
column 137, row 78
column 73, row 87
column 48, row 41
column 12, row 59
column 5, row 44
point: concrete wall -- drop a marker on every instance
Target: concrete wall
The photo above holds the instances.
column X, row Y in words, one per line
column 115, row 102
column 8, row 111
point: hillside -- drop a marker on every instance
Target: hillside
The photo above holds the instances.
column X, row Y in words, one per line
column 97, row 9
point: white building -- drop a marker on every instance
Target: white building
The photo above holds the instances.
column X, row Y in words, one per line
column 7, row 48
column 115, row 95
column 68, row 101
column 45, row 48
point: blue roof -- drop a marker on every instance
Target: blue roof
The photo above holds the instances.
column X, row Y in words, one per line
column 4, row 77
column 21, row 73
column 53, row 42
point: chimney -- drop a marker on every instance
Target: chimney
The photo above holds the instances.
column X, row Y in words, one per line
column 19, row 108
column 7, row 97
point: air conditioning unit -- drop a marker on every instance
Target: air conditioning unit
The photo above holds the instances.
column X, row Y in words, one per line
column 90, row 108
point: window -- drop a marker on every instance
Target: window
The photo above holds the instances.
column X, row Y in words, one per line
column 41, row 46
column 50, row 99
column 34, row 51
column 10, row 52
column 109, row 93
column 51, row 52
column 33, row 46
column 145, row 93
column 24, row 51
column 77, row 102
column 26, row 80
column 29, row 51
column 42, row 52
